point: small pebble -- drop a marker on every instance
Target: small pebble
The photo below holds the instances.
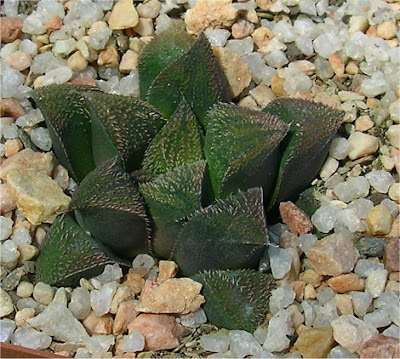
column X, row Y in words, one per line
column 25, row 289
column 43, row 293
column 361, row 302
column 134, row 342
column 7, row 328
column 215, row 342
column 380, row 180
column 353, row 188
column 371, row 246
column 6, row 225
column 375, row 282
column 30, row 338
column 393, row 135
column 362, row 144
column 379, row 220
column 6, row 303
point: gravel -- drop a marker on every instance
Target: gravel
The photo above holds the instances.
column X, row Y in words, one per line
column 352, row 63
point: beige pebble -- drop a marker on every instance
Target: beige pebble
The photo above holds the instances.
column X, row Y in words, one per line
column 337, row 64
column 24, row 289
column 329, row 168
column 6, row 202
column 251, row 15
column 358, row 23
column 345, row 283
column 61, row 296
column 395, row 154
column 237, row 72
column 371, row 32
column 98, row 325
column 334, row 255
column 362, row 144
column 296, row 316
column 304, row 66
column 395, row 230
column 364, row 123
column 265, row 4
column 394, row 110
column 22, row 315
column 298, row 287
column 242, row 28
column 167, row 270
column 12, row 147
column 43, row 293
column 210, row 14
column 387, row 29
column 97, row 26
column 309, row 292
column 392, row 286
column 129, row 61
column 122, row 294
column 150, row 9
column 394, row 276
column 40, row 235
column 144, row 27
column 60, row 175
column 277, row 86
column 248, row 102
column 135, row 282
column 387, row 162
column 394, row 192
column 123, row 15
column 393, row 135
column 176, row 295
column 38, row 82
column 315, row 343
column 327, row 99
column 379, row 220
column 352, row 68
column 344, row 304
column 126, row 313
column 262, row 36
column 76, row 62
column 310, row 276
column 38, row 197
column 11, row 107
column 27, row 158
column 19, row 60
column 109, row 57
column 27, row 253
column 6, row 303
column 262, row 94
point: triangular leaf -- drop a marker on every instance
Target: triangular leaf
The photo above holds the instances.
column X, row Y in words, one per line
column 196, row 76
column 178, row 143
column 109, row 206
column 236, row 299
column 241, row 148
column 230, row 234
column 68, row 121
column 160, row 53
column 312, row 128
column 69, row 254
column 170, row 197
column 122, row 125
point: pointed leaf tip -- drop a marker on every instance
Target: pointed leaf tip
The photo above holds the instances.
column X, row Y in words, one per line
column 236, row 299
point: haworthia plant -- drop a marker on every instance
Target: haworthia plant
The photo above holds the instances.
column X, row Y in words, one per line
column 181, row 173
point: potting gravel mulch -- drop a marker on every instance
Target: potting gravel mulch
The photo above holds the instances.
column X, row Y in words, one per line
column 338, row 293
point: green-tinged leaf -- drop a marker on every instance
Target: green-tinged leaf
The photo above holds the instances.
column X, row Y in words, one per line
column 196, row 76
column 170, row 197
column 160, row 53
column 178, row 143
column 69, row 123
column 109, row 206
column 241, row 148
column 122, row 125
column 312, row 128
column 236, row 299
column 69, row 254
column 230, row 234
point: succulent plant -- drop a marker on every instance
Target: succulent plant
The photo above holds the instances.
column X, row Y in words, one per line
column 182, row 173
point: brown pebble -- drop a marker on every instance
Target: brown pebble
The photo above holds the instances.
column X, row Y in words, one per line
column 11, row 147
column 312, row 277
column 12, row 107
column 109, row 57
column 381, row 346
column 315, row 342
column 297, row 220
column 135, row 282
column 346, row 283
column 391, row 255
column 6, row 202
column 161, row 331
column 10, row 29
column 83, row 81
column 55, row 23
column 337, row 65
column 394, row 276
column 298, row 288
column 126, row 313
column 98, row 325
